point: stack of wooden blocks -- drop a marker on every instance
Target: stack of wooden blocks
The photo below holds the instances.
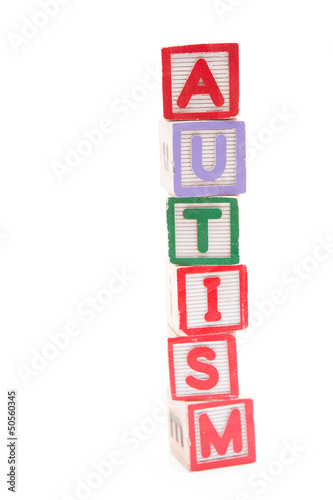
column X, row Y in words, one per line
column 203, row 167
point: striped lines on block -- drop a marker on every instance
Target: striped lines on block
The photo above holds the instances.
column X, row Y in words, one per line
column 188, row 177
column 181, row 67
column 228, row 299
column 182, row 370
column 219, row 232
column 219, row 417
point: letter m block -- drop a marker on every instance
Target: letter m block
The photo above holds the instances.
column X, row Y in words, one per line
column 200, row 82
column 212, row 434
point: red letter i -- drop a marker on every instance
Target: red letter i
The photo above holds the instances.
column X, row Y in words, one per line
column 212, row 313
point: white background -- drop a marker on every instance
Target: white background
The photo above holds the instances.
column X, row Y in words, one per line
column 60, row 242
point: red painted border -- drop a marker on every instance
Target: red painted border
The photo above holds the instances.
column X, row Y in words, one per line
column 232, row 360
column 181, row 287
column 223, row 462
column 232, row 48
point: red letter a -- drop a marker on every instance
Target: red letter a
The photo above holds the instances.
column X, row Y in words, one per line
column 209, row 435
column 199, row 72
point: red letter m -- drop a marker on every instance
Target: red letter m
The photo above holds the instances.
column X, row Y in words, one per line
column 209, row 435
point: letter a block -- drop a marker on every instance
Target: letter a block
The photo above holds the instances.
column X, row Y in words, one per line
column 212, row 434
column 203, row 231
column 200, row 81
column 203, row 367
column 207, row 299
column 203, row 158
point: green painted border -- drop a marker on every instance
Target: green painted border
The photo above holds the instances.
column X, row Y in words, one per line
column 234, row 232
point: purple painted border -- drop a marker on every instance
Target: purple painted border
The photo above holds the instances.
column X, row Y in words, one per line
column 239, row 187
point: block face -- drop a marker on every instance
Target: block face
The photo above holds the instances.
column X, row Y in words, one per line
column 203, row 158
column 203, row 231
column 203, row 367
column 212, row 299
column 192, row 162
column 221, row 434
column 200, row 81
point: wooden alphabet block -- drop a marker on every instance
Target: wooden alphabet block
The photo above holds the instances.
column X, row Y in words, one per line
column 206, row 299
column 200, row 81
column 205, row 158
column 203, row 367
column 203, row 231
column 212, row 434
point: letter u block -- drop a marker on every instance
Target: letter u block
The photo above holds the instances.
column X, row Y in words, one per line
column 203, row 230
column 200, row 81
column 205, row 158
column 212, row 434
column 206, row 299
column 203, row 367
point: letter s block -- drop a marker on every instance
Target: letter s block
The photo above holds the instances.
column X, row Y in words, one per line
column 206, row 299
column 203, row 230
column 200, row 81
column 203, row 367
column 212, row 434
column 203, row 158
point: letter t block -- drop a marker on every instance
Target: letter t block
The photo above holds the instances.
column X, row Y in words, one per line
column 203, row 231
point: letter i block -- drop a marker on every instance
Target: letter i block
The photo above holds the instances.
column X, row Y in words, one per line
column 212, row 434
column 203, row 367
column 203, row 158
column 200, row 81
column 207, row 299
column 203, row 231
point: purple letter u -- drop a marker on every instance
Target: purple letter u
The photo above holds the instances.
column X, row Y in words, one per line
column 220, row 158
